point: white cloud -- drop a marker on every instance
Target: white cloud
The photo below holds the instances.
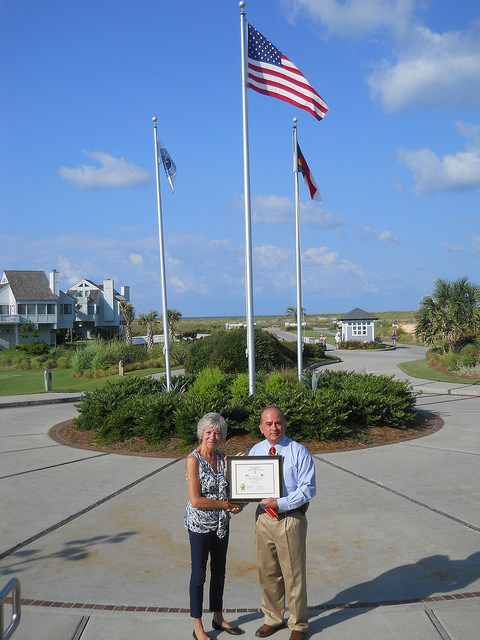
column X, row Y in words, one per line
column 112, row 173
column 354, row 17
column 271, row 257
column 135, row 258
column 450, row 172
column 321, row 256
column 273, row 209
column 383, row 237
column 473, row 250
column 325, row 270
column 424, row 69
column 440, row 70
column 69, row 271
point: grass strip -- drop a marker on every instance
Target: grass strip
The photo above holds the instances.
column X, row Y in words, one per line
column 421, row 369
column 14, row 381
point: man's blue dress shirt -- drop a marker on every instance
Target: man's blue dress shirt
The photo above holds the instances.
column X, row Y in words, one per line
column 299, row 484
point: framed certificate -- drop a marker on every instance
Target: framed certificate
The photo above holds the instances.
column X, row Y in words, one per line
column 252, row 478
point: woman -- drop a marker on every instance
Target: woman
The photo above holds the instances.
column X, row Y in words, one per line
column 207, row 519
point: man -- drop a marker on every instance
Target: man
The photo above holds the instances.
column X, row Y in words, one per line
column 281, row 530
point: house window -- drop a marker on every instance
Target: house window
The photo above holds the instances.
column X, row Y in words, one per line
column 51, row 309
column 360, row 328
column 31, row 309
column 22, row 308
column 3, row 309
column 66, row 309
column 41, row 308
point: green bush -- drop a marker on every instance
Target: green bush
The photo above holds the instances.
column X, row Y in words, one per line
column 281, row 378
column 343, row 404
column 189, row 411
column 226, row 350
column 240, row 387
column 102, row 355
column 357, row 344
column 144, row 416
column 296, row 402
column 33, row 348
column 97, row 405
column 373, row 400
column 211, row 382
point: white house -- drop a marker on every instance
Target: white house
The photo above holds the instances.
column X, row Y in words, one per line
column 28, row 296
column 358, row 325
column 97, row 306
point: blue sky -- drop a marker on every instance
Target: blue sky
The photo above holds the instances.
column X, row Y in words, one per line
column 396, row 159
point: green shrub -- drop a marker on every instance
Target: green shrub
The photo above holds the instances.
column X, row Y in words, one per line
column 281, row 378
column 178, row 352
column 344, row 403
column 101, row 355
column 33, row 348
column 98, row 404
column 238, row 415
column 210, row 382
column 357, row 344
column 240, row 387
column 226, row 350
column 146, row 416
column 296, row 402
column 373, row 400
column 190, row 410
column 156, row 420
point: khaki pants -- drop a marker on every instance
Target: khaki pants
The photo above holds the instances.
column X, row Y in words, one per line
column 281, row 558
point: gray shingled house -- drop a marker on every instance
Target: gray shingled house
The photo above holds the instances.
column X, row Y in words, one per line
column 28, row 296
column 358, row 325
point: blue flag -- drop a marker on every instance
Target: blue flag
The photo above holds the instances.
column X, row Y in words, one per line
column 168, row 163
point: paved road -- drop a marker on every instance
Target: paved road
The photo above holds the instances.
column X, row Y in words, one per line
column 394, row 541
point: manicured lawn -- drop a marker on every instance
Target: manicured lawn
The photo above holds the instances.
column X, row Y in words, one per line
column 421, row 369
column 15, row 381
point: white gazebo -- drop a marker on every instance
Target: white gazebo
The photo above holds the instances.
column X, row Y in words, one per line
column 358, row 325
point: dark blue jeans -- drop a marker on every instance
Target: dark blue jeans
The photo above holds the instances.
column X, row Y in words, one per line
column 203, row 545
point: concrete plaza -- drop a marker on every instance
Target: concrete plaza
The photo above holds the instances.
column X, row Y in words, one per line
column 98, row 544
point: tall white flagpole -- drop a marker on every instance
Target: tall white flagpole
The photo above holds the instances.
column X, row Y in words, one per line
column 298, row 254
column 248, row 223
column 166, row 336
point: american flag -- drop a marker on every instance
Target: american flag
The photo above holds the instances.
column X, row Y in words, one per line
column 271, row 73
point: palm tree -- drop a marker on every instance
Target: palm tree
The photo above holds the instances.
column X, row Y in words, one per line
column 291, row 312
column 451, row 314
column 173, row 316
column 128, row 312
column 149, row 320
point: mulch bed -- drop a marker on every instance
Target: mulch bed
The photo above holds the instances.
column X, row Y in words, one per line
column 66, row 434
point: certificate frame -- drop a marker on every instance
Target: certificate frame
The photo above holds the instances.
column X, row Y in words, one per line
column 253, row 478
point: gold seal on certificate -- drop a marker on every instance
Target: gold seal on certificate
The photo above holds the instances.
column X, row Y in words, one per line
column 252, row 478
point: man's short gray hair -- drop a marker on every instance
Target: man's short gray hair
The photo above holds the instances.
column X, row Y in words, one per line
column 212, row 421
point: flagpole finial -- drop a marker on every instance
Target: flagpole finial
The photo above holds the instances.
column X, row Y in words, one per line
column 241, row 4
column 154, row 119
column 295, row 120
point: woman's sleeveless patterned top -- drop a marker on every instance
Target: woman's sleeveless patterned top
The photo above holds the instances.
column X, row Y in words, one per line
column 213, row 484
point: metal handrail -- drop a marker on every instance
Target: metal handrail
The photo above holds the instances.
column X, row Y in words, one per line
column 13, row 587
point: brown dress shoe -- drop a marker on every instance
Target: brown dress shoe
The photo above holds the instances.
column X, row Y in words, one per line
column 298, row 635
column 267, row 629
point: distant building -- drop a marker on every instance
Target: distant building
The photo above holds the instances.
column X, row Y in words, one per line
column 358, row 325
column 29, row 297
column 97, row 307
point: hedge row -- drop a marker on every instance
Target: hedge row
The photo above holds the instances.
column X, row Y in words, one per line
column 342, row 405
